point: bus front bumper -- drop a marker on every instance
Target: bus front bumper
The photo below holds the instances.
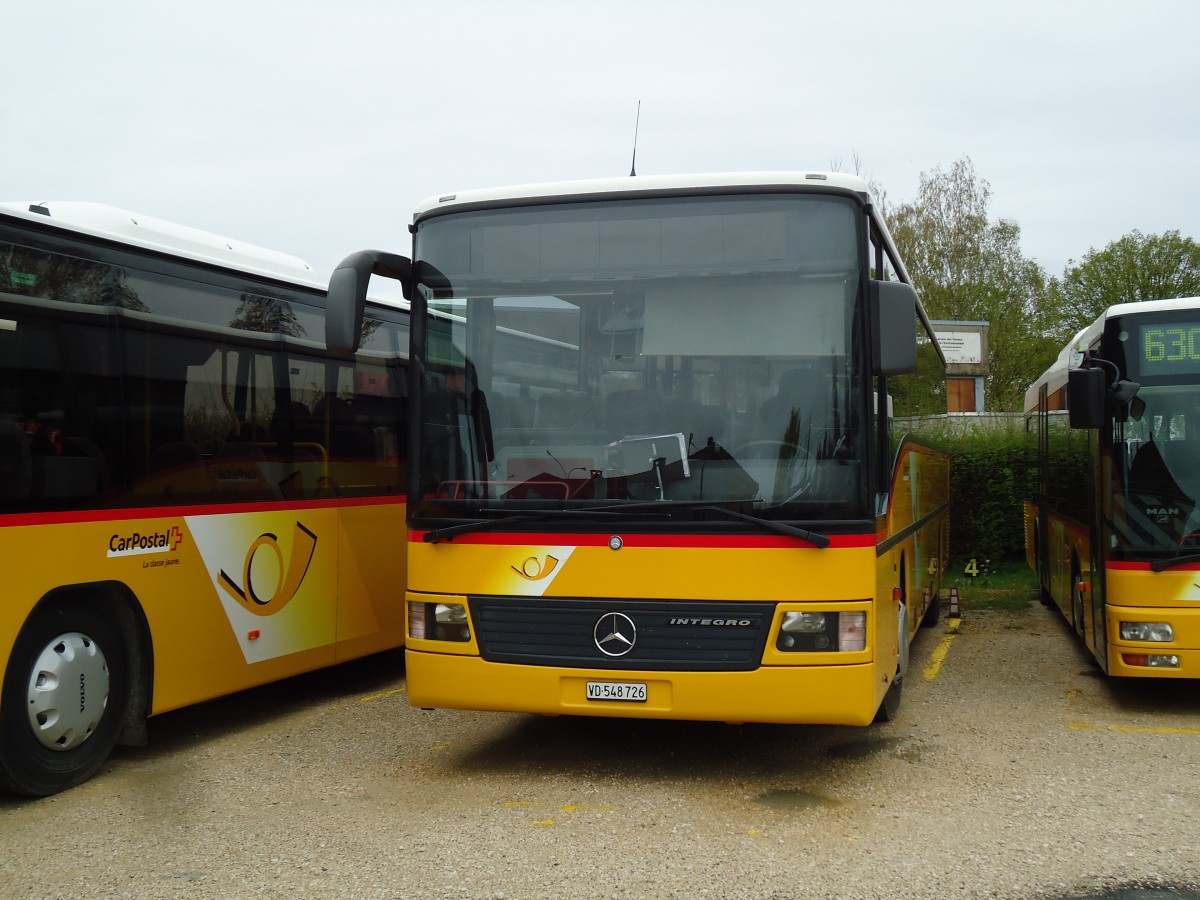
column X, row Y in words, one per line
column 1143, row 661
column 1178, row 658
column 827, row 694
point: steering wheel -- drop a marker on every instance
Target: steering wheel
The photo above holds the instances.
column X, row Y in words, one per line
column 770, row 451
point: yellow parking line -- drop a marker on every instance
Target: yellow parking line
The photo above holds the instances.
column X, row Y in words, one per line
column 1088, row 726
column 371, row 697
column 934, row 667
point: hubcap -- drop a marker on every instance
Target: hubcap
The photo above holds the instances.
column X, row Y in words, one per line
column 68, row 691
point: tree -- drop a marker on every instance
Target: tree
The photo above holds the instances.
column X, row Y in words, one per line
column 1134, row 268
column 267, row 314
column 968, row 268
column 65, row 279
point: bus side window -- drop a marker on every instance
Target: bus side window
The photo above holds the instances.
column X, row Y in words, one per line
column 16, row 466
column 174, row 455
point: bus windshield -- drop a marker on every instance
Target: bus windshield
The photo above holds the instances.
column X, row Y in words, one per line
column 1157, row 472
column 698, row 349
column 1156, row 437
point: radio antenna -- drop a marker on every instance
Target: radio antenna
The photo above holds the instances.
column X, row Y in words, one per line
column 637, row 121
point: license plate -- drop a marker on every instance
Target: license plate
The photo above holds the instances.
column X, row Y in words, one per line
column 616, row 690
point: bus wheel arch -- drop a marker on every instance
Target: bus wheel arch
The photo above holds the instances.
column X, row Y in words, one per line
column 76, row 685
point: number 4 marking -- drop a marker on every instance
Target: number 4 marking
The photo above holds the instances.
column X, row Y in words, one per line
column 972, row 568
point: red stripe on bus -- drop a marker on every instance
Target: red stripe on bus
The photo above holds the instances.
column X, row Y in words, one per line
column 722, row 541
column 1145, row 567
column 175, row 512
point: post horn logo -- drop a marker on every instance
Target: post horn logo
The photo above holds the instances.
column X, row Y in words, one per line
column 534, row 569
column 304, row 544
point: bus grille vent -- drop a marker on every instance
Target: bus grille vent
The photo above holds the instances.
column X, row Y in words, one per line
column 670, row 636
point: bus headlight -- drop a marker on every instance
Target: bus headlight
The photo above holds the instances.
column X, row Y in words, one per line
column 822, row 632
column 438, row 621
column 1159, row 632
column 803, row 622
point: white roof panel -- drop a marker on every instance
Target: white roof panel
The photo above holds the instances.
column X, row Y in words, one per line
column 630, row 184
column 123, row 226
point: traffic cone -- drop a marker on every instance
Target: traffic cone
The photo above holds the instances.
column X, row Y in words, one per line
column 955, row 610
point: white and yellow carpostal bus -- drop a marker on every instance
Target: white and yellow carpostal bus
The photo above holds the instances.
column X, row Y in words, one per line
column 650, row 476
column 190, row 483
column 1113, row 528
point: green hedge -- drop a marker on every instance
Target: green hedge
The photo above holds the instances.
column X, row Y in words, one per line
column 989, row 477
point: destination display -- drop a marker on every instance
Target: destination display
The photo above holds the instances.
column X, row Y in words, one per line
column 1169, row 348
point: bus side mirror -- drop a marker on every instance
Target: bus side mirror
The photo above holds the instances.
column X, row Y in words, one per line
column 347, row 296
column 1085, row 397
column 893, row 307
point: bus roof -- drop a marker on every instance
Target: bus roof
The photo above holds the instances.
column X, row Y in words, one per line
column 642, row 183
column 1069, row 358
column 125, row 227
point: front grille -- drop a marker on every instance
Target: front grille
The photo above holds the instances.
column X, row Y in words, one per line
column 671, row 635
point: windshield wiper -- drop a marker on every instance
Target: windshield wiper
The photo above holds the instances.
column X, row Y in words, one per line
column 1160, row 564
column 665, row 508
column 1157, row 565
column 435, row 535
column 813, row 537
column 647, row 508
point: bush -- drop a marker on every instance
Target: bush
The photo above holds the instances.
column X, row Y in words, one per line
column 990, row 476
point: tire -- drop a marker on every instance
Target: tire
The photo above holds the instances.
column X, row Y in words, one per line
column 1044, row 596
column 889, row 708
column 933, row 615
column 65, row 696
column 1077, row 602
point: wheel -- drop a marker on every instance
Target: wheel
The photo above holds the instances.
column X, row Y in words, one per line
column 794, row 470
column 1044, row 596
column 934, row 614
column 66, row 692
column 889, row 708
column 1076, row 601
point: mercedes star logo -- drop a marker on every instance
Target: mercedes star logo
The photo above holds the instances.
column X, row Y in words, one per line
column 615, row 634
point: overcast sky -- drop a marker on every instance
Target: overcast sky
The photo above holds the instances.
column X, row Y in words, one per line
column 314, row 128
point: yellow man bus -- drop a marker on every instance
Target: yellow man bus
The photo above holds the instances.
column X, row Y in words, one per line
column 1113, row 529
column 649, row 473
column 189, row 481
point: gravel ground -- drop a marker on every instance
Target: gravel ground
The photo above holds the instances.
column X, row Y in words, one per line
column 1014, row 771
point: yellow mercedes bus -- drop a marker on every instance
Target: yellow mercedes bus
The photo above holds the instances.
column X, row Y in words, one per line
column 1113, row 529
column 190, row 483
column 650, row 473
